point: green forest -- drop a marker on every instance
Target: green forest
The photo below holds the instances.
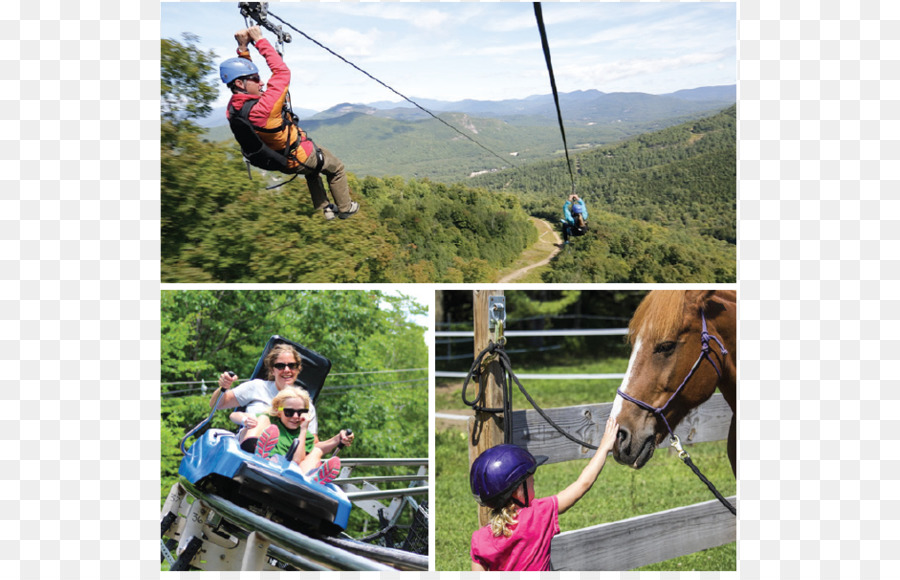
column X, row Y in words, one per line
column 365, row 334
column 662, row 204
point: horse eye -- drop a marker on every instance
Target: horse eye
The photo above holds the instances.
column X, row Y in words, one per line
column 664, row 348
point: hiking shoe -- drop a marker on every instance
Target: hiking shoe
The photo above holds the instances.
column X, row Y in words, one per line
column 326, row 472
column 329, row 211
column 267, row 441
column 354, row 207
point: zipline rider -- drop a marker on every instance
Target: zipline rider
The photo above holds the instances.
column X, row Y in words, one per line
column 574, row 222
column 268, row 112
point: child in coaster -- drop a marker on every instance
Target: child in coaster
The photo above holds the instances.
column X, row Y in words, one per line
column 521, row 527
column 287, row 420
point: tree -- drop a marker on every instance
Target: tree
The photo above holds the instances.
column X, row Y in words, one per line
column 186, row 89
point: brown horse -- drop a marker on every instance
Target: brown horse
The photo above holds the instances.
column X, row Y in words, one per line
column 670, row 372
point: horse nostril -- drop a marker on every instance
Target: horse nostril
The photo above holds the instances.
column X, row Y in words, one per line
column 622, row 436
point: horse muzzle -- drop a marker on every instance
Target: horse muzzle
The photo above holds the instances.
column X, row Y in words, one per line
column 634, row 450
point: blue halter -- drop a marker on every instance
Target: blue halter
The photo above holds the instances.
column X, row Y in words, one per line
column 704, row 354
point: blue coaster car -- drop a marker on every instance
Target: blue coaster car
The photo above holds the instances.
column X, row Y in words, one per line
column 274, row 487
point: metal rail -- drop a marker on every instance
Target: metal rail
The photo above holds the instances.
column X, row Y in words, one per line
column 307, row 547
column 354, row 461
column 386, row 493
column 380, row 479
column 558, row 332
column 407, row 560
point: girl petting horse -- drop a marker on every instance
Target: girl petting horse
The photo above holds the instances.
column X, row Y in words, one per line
column 521, row 527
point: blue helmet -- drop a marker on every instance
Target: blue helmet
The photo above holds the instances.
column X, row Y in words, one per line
column 235, row 68
column 576, row 208
column 497, row 472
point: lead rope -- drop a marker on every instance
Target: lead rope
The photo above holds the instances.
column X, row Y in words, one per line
column 506, row 386
column 705, row 337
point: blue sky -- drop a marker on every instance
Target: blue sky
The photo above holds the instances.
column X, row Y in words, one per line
column 485, row 51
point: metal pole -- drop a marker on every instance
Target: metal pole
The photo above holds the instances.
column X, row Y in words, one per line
column 486, row 429
column 386, row 493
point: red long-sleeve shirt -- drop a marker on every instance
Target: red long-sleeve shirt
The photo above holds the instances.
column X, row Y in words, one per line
column 267, row 112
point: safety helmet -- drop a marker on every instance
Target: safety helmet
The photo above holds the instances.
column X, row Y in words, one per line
column 235, row 68
column 576, row 208
column 497, row 472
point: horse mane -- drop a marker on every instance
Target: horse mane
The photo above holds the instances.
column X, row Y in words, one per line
column 660, row 314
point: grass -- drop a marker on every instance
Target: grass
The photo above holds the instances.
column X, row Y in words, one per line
column 620, row 492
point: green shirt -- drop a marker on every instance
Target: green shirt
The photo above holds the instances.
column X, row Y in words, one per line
column 286, row 438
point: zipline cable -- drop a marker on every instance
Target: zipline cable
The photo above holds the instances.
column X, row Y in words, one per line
column 538, row 14
column 385, row 85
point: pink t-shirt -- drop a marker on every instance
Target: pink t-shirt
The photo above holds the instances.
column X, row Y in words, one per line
column 528, row 548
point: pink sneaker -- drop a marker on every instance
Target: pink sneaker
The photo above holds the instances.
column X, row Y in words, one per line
column 326, row 472
column 267, row 441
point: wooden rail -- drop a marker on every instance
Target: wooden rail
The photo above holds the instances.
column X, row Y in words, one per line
column 644, row 540
column 708, row 422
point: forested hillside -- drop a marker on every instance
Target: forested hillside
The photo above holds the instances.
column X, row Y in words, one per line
column 662, row 205
column 218, row 226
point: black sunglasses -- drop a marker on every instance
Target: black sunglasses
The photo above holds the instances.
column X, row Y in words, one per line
column 254, row 78
column 291, row 412
column 280, row 366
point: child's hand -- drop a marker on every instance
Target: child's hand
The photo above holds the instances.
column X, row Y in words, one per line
column 250, row 422
column 304, row 420
column 346, row 439
column 609, row 435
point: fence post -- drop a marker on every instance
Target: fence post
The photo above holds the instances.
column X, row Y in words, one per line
column 485, row 429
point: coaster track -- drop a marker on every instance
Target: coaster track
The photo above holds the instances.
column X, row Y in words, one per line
column 216, row 534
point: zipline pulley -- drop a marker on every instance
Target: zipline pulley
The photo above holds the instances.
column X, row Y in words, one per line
column 259, row 13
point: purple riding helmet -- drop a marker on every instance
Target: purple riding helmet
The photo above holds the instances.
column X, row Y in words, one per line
column 497, row 472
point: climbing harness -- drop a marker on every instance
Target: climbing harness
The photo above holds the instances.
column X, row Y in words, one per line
column 705, row 337
column 255, row 151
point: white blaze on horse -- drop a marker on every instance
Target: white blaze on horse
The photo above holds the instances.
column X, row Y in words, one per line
column 684, row 346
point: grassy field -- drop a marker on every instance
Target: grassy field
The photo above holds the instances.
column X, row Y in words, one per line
column 620, row 492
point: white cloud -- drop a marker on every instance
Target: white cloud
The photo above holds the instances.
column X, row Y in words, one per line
column 352, row 43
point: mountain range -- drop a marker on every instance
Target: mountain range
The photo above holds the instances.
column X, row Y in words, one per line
column 580, row 107
column 383, row 139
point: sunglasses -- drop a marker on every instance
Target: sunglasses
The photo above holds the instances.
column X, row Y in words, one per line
column 291, row 412
column 254, row 78
column 280, row 366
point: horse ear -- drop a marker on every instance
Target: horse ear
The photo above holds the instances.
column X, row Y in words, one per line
column 711, row 301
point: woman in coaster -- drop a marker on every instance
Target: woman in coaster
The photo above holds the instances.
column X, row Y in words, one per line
column 282, row 365
column 518, row 536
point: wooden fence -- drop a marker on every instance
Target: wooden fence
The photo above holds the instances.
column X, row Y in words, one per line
column 621, row 545
column 642, row 540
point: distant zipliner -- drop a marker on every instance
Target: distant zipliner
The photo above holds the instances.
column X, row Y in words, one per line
column 575, row 215
column 266, row 128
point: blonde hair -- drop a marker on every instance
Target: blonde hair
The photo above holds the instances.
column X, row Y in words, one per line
column 659, row 316
column 285, row 394
column 502, row 518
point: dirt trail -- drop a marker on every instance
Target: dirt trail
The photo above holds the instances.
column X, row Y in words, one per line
column 548, row 245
